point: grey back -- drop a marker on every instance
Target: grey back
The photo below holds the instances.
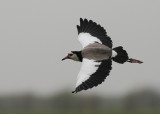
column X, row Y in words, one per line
column 97, row 52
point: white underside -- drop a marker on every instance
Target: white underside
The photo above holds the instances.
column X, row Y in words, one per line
column 86, row 39
column 114, row 53
column 87, row 69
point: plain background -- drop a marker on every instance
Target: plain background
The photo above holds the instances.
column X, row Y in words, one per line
column 36, row 34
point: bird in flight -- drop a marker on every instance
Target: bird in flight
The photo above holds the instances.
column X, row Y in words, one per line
column 96, row 56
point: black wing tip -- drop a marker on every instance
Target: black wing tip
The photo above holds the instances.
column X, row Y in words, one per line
column 74, row 92
column 96, row 30
column 83, row 19
column 87, row 20
column 78, row 89
column 78, row 28
column 92, row 24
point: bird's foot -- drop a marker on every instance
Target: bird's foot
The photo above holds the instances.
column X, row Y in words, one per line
column 134, row 61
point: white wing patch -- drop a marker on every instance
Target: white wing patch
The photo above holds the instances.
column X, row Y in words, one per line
column 88, row 68
column 86, row 39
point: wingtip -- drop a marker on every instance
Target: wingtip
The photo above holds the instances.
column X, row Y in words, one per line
column 81, row 19
column 78, row 28
column 74, row 92
column 85, row 20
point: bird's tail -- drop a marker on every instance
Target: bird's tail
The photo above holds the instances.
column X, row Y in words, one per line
column 120, row 55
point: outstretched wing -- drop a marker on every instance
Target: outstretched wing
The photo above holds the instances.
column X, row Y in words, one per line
column 92, row 73
column 90, row 32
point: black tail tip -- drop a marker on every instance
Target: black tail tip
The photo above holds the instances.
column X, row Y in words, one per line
column 121, row 56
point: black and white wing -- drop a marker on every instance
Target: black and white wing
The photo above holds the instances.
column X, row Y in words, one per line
column 90, row 32
column 92, row 73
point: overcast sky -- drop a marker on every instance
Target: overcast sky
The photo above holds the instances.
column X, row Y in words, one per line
column 36, row 34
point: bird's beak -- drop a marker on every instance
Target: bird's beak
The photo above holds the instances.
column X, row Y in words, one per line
column 67, row 57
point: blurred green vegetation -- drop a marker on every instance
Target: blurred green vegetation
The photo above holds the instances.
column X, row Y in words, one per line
column 139, row 102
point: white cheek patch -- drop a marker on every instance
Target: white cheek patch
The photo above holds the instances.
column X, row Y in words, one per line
column 86, row 39
column 74, row 57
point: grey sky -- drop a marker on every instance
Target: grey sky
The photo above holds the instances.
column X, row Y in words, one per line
column 36, row 34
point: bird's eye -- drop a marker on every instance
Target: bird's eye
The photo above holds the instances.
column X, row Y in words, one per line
column 70, row 54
